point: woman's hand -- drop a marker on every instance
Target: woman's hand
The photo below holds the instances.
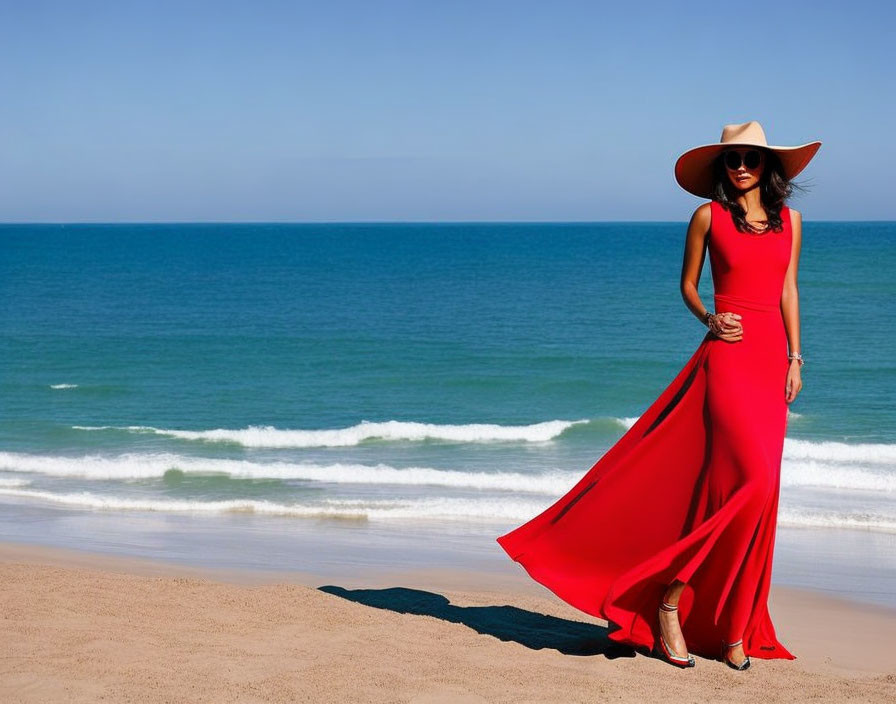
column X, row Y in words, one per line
column 794, row 381
column 727, row 326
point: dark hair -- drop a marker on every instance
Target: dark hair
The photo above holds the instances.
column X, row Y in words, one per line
column 774, row 189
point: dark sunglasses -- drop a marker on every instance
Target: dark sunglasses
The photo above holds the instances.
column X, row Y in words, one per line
column 752, row 159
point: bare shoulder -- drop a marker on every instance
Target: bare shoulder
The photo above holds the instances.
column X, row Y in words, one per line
column 703, row 211
column 702, row 217
column 796, row 217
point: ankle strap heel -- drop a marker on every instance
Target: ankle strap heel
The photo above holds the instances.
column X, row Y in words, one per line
column 663, row 647
column 744, row 665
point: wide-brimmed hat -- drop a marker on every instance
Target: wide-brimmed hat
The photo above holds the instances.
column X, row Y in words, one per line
column 693, row 169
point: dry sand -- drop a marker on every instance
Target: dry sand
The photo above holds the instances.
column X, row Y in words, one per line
column 79, row 627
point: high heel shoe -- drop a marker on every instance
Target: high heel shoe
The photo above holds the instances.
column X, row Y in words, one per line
column 677, row 660
column 743, row 666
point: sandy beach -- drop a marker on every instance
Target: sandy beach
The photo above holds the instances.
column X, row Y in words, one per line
column 86, row 627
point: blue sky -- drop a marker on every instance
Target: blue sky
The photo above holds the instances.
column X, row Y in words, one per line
column 322, row 111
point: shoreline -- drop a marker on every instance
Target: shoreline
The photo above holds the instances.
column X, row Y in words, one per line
column 857, row 565
column 452, row 576
column 81, row 625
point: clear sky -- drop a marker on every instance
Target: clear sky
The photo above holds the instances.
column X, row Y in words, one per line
column 439, row 110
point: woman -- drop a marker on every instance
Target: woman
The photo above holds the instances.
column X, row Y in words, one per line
column 670, row 535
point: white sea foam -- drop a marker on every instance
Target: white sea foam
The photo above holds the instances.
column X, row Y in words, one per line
column 832, row 451
column 439, row 508
column 839, row 519
column 865, row 474
column 9, row 482
column 63, row 386
column 147, row 466
column 837, row 476
column 453, row 509
column 270, row 437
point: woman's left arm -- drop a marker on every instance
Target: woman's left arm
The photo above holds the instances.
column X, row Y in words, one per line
column 790, row 308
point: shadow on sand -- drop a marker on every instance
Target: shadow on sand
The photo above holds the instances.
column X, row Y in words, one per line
column 508, row 623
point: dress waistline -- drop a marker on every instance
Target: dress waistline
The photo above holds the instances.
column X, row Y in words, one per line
column 746, row 303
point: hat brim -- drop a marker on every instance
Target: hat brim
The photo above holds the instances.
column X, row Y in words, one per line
column 694, row 173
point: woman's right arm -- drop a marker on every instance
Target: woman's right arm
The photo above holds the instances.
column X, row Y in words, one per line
column 724, row 325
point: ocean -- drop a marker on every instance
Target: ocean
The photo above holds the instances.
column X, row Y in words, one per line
column 342, row 396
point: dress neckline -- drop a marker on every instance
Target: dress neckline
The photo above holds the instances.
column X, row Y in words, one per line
column 764, row 232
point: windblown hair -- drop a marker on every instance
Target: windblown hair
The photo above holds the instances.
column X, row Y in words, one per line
column 774, row 189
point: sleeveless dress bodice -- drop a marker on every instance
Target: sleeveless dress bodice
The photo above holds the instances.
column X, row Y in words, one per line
column 746, row 266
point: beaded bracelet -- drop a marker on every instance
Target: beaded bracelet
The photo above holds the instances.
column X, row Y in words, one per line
column 798, row 357
column 707, row 321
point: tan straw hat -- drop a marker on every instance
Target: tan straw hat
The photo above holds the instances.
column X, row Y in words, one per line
column 693, row 170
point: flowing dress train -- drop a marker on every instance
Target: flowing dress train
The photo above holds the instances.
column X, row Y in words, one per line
column 690, row 491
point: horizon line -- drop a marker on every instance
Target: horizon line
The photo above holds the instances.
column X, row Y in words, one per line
column 372, row 222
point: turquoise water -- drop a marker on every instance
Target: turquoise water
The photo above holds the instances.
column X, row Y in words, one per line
column 457, row 377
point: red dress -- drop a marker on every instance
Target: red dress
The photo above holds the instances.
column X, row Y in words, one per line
column 690, row 491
